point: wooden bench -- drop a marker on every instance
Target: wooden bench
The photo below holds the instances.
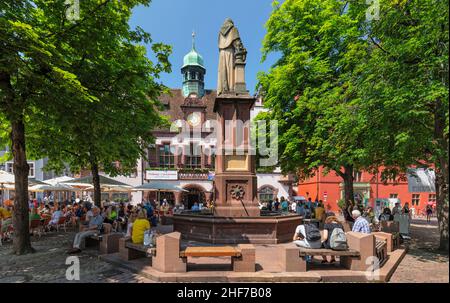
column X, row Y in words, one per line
column 328, row 252
column 169, row 257
column 242, row 256
column 381, row 251
column 130, row 251
column 210, row 251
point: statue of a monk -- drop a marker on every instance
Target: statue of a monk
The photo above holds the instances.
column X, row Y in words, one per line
column 230, row 50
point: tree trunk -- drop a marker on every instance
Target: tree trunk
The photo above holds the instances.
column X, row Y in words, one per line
column 442, row 207
column 96, row 181
column 441, row 168
column 21, row 241
column 347, row 177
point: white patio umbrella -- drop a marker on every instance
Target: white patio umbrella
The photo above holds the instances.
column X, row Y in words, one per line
column 57, row 180
column 56, row 187
column 6, row 178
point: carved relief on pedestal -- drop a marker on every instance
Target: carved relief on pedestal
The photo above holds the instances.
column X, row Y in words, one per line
column 236, row 191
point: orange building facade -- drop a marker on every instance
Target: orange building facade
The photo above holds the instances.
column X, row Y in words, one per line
column 367, row 188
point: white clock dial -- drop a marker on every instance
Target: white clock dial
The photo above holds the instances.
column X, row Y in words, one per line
column 194, row 119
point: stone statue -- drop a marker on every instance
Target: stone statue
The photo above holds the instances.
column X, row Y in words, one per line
column 231, row 52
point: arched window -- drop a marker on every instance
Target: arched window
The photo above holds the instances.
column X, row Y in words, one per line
column 265, row 194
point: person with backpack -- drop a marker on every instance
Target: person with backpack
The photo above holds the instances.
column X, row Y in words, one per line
column 386, row 215
column 334, row 237
column 308, row 236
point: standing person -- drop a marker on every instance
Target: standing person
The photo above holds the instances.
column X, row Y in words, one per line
column 397, row 209
column 284, row 205
column 300, row 208
column 406, row 210
column 276, row 205
column 269, row 205
column 293, row 206
column 309, row 203
column 319, row 213
column 347, row 212
column 429, row 213
column 306, row 212
column 361, row 225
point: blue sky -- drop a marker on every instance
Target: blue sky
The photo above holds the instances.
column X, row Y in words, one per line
column 172, row 22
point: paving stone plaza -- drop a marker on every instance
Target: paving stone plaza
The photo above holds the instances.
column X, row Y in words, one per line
column 422, row 264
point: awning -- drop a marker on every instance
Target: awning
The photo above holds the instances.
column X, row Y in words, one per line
column 159, row 186
column 299, row 198
column 88, row 181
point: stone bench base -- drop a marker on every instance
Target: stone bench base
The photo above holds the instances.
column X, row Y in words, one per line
column 361, row 247
column 106, row 243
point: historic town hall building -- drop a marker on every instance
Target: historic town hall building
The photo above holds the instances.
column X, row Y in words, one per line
column 192, row 167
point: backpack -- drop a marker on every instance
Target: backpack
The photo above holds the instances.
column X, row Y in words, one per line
column 312, row 232
column 338, row 239
column 385, row 217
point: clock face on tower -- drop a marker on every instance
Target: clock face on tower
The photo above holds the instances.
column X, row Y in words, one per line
column 194, row 119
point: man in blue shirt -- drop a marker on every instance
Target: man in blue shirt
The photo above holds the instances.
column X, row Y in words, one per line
column 361, row 225
column 94, row 227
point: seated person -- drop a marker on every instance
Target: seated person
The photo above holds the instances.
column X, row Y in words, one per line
column 88, row 215
column 300, row 238
column 5, row 218
column 361, row 225
column 331, row 223
column 57, row 214
column 34, row 215
column 45, row 212
column 132, row 217
column 140, row 225
column 94, row 227
column 195, row 207
column 111, row 215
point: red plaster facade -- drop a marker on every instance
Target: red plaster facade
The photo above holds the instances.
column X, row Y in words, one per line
column 329, row 188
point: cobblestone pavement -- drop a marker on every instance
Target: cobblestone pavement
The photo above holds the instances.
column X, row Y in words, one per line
column 423, row 263
column 48, row 263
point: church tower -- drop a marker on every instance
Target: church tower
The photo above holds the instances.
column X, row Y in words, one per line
column 193, row 71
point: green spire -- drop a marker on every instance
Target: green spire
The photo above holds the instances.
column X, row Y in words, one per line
column 193, row 71
column 193, row 57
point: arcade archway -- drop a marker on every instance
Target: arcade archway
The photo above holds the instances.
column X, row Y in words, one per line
column 194, row 194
